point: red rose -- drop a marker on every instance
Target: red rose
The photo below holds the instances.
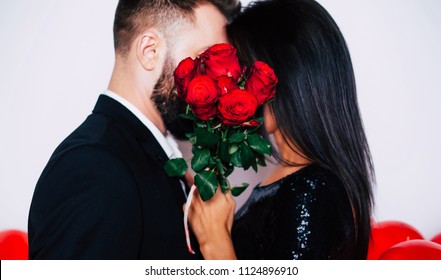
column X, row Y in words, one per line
column 184, row 73
column 226, row 84
column 205, row 113
column 202, row 95
column 237, row 107
column 221, row 59
column 262, row 82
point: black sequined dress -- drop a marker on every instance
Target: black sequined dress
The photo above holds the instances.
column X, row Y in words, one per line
column 305, row 215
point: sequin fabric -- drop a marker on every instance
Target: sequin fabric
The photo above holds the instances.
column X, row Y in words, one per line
column 305, row 215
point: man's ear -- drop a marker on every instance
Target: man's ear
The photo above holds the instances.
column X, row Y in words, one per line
column 148, row 50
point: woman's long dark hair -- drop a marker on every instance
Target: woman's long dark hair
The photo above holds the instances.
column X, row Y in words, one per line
column 315, row 106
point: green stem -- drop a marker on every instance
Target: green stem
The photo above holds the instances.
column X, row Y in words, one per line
column 225, row 133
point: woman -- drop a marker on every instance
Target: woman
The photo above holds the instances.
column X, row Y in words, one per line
column 317, row 203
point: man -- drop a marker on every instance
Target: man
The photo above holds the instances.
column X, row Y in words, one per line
column 104, row 193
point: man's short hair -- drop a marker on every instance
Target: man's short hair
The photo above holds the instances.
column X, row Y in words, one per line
column 134, row 16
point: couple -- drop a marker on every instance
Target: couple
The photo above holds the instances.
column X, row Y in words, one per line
column 105, row 195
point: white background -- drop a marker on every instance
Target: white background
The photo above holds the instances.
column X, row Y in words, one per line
column 56, row 56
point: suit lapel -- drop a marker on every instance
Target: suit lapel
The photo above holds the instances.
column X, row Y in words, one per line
column 115, row 110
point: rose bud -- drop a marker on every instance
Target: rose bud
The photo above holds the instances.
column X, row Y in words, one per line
column 202, row 95
column 251, row 123
column 237, row 107
column 221, row 60
column 184, row 73
column 226, row 84
column 262, row 82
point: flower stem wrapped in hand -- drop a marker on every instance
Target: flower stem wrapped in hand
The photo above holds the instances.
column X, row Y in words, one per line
column 222, row 102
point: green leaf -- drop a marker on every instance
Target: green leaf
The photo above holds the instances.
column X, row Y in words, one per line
column 229, row 170
column 220, row 167
column 233, row 149
column 213, row 161
column 207, row 184
column 225, row 185
column 261, row 160
column 206, row 138
column 258, row 144
column 200, row 124
column 223, row 151
column 192, row 140
column 236, row 191
column 254, row 166
column 246, row 155
column 191, row 137
column 190, row 134
column 252, row 130
column 236, row 138
column 200, row 160
column 236, row 159
column 176, row 167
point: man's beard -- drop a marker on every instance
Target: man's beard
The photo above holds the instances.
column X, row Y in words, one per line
column 169, row 105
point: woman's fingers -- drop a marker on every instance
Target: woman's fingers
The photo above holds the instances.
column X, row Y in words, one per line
column 232, row 205
column 229, row 197
column 220, row 202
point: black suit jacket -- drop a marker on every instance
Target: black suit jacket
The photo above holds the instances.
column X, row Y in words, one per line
column 104, row 194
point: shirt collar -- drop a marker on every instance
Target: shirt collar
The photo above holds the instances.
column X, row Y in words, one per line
column 167, row 142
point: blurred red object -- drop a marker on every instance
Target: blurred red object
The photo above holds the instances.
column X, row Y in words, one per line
column 436, row 238
column 13, row 245
column 388, row 233
column 413, row 250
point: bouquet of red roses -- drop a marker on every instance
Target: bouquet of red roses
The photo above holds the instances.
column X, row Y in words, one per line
column 222, row 101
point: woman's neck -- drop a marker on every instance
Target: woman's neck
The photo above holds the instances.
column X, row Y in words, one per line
column 292, row 160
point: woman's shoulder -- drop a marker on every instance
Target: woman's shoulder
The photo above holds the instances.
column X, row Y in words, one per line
column 318, row 192
column 314, row 180
column 312, row 175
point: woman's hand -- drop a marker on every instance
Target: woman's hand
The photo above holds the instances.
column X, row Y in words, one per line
column 211, row 222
